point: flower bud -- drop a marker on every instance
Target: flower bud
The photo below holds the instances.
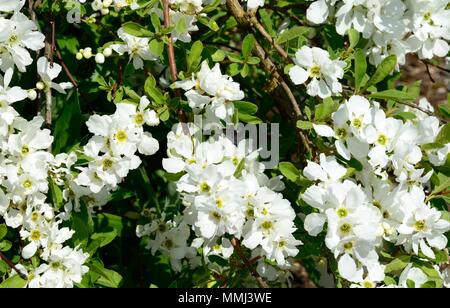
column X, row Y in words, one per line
column 87, row 53
column 40, row 85
column 79, row 56
column 107, row 52
column 32, row 94
column 100, row 58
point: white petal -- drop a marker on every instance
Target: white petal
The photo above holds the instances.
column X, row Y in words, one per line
column 298, row 75
column 314, row 223
column 323, row 130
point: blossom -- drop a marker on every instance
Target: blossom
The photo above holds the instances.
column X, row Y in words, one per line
column 315, row 64
column 136, row 47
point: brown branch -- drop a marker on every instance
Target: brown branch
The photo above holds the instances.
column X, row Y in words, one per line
column 53, row 46
column 173, row 66
column 170, row 49
column 270, row 67
column 12, row 266
column 237, row 247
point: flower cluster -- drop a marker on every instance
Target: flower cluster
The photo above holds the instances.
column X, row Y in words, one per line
column 18, row 35
column 211, row 92
column 111, row 153
column 226, row 195
column 385, row 201
column 393, row 27
column 25, row 165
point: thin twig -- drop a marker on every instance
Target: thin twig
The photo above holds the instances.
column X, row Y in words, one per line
column 170, row 49
column 270, row 67
column 429, row 73
column 53, row 47
column 418, row 108
column 248, row 265
column 12, row 266
column 66, row 69
column 173, row 65
column 437, row 66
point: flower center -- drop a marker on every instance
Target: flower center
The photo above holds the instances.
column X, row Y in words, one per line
column 217, row 247
column 250, row 213
column 382, row 139
column 219, row 203
column 13, row 39
column 420, row 225
column 348, row 246
column 315, row 71
column 55, row 265
column 168, row 243
column 139, row 119
column 107, row 164
column 345, row 228
column 27, row 184
column 35, row 235
column 267, row 225
column 35, row 216
column 121, row 136
column 25, row 150
column 357, row 123
column 341, row 133
column 216, row 215
column 342, row 212
column 204, row 187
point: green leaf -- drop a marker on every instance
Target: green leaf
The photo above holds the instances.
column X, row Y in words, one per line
column 234, row 69
column 445, row 110
column 394, row 95
column 5, row 245
column 305, row 125
column 108, row 278
column 56, row 194
column 67, row 127
column 136, row 29
column 247, row 45
column 397, row 264
column 219, row 260
column 105, row 238
column 3, row 231
column 291, row 34
column 251, row 119
column 210, row 23
column 235, row 58
column 444, row 135
column 156, row 47
column 289, row 171
column 153, row 92
column 194, row 56
column 389, row 281
column 405, row 116
column 360, row 68
column 218, row 56
column 444, row 184
column 13, row 282
column 325, row 109
column 245, row 70
column 240, row 167
column 353, row 37
column 246, row 107
column 382, row 71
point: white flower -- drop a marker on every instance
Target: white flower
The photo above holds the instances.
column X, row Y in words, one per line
column 254, row 4
column 17, row 34
column 414, row 274
column 136, row 47
column 319, row 11
column 315, row 64
column 48, row 72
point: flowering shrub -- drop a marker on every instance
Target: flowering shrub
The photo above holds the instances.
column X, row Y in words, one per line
column 134, row 143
